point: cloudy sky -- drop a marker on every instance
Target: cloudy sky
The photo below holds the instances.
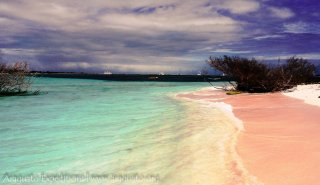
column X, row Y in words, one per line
column 152, row 36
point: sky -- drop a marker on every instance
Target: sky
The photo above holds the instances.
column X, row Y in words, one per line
column 154, row 36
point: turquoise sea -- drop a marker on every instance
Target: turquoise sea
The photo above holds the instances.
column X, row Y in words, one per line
column 81, row 131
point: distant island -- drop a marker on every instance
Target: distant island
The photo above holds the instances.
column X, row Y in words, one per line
column 134, row 77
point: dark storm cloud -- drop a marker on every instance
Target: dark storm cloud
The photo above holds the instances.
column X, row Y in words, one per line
column 154, row 36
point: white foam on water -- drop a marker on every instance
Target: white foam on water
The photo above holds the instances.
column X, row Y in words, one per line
column 228, row 109
column 225, row 127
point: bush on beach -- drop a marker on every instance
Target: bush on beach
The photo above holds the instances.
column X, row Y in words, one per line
column 253, row 76
column 15, row 79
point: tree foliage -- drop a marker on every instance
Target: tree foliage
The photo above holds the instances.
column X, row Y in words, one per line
column 253, row 76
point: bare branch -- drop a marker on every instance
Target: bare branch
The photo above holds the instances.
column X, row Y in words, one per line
column 254, row 76
column 14, row 79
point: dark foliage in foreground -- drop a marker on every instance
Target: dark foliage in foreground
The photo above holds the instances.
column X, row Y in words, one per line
column 253, row 76
column 15, row 80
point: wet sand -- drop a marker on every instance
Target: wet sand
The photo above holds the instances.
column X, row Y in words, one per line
column 280, row 143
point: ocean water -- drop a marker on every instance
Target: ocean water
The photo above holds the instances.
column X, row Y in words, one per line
column 103, row 132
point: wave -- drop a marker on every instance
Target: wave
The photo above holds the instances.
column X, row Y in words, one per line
column 214, row 150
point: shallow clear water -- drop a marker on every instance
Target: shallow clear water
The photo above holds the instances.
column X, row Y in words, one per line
column 104, row 132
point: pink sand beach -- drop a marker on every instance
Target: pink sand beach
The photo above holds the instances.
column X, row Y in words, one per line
column 280, row 143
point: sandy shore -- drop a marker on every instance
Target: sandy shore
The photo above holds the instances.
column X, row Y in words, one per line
column 280, row 143
column 310, row 94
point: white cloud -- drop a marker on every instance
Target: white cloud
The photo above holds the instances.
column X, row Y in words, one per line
column 240, row 6
column 302, row 27
column 220, row 50
column 225, row 50
column 308, row 56
column 185, row 16
column 268, row 37
column 282, row 13
column 132, row 33
column 18, row 51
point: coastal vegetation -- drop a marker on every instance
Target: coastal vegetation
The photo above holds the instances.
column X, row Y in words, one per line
column 15, row 79
column 251, row 75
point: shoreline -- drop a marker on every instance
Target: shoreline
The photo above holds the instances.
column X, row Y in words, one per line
column 280, row 141
column 231, row 161
column 307, row 93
